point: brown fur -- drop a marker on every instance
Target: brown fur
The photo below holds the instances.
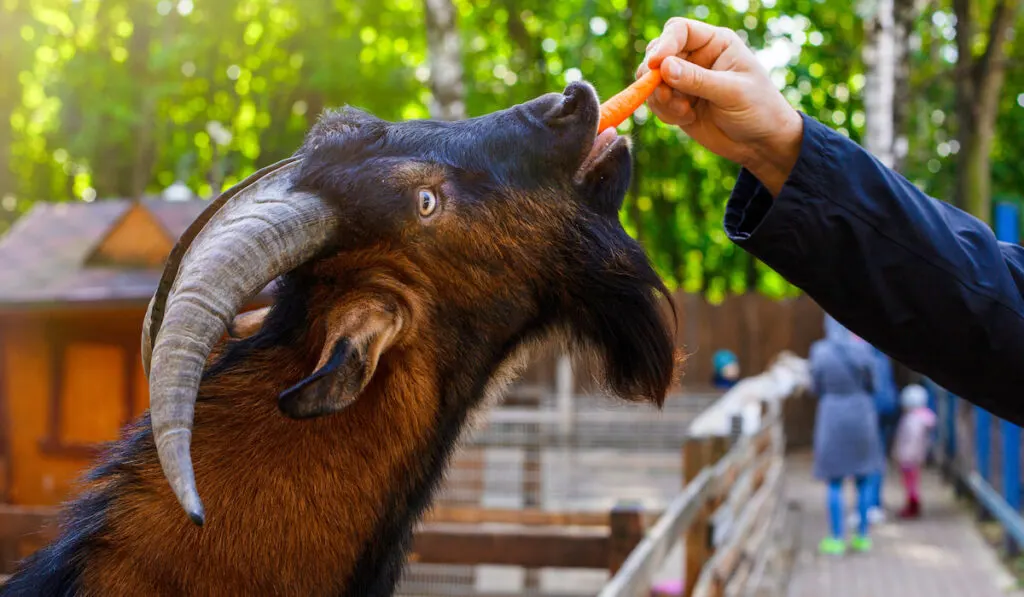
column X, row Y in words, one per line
column 410, row 320
column 314, row 518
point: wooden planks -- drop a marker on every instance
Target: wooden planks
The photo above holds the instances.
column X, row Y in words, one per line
column 512, row 545
column 634, row 578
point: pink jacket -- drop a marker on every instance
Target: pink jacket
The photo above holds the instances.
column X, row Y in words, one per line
column 912, row 436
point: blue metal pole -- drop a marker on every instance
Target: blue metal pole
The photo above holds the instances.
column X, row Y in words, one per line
column 1007, row 229
column 983, row 442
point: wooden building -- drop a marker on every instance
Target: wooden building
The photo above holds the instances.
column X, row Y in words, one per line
column 75, row 280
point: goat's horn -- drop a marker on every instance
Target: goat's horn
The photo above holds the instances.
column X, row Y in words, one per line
column 155, row 312
column 267, row 230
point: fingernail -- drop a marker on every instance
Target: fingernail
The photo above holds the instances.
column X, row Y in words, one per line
column 673, row 69
column 651, row 51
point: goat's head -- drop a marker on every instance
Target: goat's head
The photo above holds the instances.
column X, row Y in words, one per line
column 463, row 239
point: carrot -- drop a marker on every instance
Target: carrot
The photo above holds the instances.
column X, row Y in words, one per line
column 616, row 109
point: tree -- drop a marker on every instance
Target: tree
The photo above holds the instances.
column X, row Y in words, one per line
column 905, row 12
column 445, row 56
column 880, row 56
column 979, row 83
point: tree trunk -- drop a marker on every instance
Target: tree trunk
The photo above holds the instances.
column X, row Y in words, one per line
column 144, row 150
column 905, row 13
column 880, row 54
column 445, row 55
column 979, row 83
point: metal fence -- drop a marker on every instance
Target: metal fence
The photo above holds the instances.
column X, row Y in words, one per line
column 981, row 455
column 550, row 449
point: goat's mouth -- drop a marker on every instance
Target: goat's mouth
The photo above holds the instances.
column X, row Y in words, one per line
column 605, row 144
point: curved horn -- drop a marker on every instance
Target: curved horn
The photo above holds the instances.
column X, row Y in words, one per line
column 155, row 312
column 268, row 230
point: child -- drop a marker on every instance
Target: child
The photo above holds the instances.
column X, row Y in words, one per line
column 912, row 443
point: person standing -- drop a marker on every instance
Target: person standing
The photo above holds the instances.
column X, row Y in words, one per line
column 847, row 444
column 913, row 439
column 726, row 369
column 888, row 408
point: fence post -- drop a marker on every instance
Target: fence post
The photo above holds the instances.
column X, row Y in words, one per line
column 696, row 455
column 735, row 428
column 564, row 395
column 982, row 442
column 1007, row 229
column 719, row 448
column 627, row 531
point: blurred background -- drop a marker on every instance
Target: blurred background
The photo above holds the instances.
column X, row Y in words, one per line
column 125, row 98
column 119, row 119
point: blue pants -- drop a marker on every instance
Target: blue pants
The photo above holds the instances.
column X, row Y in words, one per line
column 836, row 509
column 887, row 425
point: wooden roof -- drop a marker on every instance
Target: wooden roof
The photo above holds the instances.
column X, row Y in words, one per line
column 106, row 251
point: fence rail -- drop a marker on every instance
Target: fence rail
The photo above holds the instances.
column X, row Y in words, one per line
column 725, row 513
column 981, row 454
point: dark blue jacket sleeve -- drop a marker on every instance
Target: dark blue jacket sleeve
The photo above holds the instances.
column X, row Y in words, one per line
column 925, row 282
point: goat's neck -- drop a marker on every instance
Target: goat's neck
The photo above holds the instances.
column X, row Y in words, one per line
column 322, row 506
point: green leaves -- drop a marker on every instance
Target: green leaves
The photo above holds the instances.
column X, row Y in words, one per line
column 107, row 98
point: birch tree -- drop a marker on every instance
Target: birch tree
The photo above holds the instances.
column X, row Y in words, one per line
column 445, row 58
column 905, row 12
column 879, row 55
column 979, row 82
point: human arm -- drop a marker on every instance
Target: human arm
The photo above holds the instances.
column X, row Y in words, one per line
column 921, row 280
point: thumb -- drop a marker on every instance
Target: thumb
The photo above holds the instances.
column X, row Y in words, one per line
column 691, row 79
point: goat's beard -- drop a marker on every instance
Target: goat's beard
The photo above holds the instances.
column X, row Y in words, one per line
column 621, row 320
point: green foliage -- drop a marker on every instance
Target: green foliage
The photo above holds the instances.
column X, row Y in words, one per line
column 109, row 98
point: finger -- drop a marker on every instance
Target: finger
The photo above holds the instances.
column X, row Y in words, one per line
column 683, row 109
column 644, row 66
column 664, row 115
column 663, row 94
column 691, row 79
column 680, row 35
column 642, row 69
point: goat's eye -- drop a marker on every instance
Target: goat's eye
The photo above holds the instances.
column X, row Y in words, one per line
column 428, row 202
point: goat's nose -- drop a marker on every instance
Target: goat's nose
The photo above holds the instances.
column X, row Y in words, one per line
column 575, row 101
column 572, row 99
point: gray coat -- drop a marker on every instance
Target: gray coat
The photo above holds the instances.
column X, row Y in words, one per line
column 846, row 437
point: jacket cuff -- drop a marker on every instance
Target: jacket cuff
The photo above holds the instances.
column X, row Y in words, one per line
column 764, row 225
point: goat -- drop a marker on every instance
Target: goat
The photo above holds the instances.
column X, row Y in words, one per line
column 415, row 263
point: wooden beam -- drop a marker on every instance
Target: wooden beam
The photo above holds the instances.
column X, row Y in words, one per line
column 627, row 530
column 510, row 545
column 635, row 577
column 528, row 517
column 696, row 457
column 18, row 522
column 719, row 571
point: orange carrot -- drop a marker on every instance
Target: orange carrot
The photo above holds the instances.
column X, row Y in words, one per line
column 616, row 109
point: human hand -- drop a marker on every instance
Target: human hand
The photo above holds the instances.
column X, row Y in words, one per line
column 716, row 91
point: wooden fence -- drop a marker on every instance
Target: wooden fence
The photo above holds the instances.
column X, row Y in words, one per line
column 754, row 327
column 722, row 510
column 725, row 514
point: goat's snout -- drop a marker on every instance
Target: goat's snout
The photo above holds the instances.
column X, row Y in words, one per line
column 576, row 105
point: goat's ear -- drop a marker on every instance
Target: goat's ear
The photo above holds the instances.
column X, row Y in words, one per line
column 248, row 323
column 357, row 336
